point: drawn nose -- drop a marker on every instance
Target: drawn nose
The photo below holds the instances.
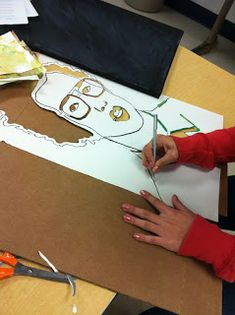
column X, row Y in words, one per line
column 102, row 108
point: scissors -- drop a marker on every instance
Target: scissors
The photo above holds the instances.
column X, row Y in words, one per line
column 19, row 269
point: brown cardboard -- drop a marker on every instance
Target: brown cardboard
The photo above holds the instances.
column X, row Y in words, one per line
column 75, row 220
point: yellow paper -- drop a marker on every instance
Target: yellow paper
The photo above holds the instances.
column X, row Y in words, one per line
column 16, row 59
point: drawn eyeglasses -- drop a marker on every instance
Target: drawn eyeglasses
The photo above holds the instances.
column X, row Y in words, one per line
column 89, row 87
column 73, row 105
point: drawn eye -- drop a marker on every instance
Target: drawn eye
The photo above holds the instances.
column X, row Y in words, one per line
column 86, row 89
column 73, row 107
column 91, row 88
column 117, row 113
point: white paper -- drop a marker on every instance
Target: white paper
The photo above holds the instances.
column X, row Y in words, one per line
column 13, row 12
column 108, row 154
column 30, row 10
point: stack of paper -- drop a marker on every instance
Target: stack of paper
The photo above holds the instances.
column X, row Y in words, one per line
column 17, row 61
column 16, row 12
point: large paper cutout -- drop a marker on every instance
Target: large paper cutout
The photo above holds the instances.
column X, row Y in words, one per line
column 120, row 122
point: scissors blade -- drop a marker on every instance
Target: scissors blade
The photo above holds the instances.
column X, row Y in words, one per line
column 23, row 270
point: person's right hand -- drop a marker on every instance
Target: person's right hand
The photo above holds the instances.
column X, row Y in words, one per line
column 167, row 153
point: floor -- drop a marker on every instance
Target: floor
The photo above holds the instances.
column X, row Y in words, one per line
column 223, row 55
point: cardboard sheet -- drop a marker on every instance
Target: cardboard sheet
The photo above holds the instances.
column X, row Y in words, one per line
column 75, row 220
column 119, row 121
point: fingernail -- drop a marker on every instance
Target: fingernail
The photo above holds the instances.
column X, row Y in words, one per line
column 126, row 206
column 127, row 217
column 136, row 236
column 155, row 169
column 143, row 193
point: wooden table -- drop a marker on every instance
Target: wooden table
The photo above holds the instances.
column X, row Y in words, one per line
column 191, row 79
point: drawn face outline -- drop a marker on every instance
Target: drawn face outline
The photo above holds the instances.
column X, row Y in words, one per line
column 46, row 96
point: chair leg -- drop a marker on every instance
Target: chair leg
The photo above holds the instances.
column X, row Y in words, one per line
column 210, row 41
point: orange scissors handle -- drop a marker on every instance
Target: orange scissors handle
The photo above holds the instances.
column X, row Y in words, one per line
column 8, row 259
column 6, row 272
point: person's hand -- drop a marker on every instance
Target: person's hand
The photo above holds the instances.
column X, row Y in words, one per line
column 167, row 153
column 168, row 228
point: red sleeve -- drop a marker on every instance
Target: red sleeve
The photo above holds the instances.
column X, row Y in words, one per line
column 208, row 149
column 206, row 242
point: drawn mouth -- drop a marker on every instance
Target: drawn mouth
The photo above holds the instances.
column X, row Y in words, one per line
column 119, row 113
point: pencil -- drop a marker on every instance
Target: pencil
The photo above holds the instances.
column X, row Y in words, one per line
column 154, row 139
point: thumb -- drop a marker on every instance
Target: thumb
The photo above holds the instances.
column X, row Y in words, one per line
column 178, row 204
column 165, row 160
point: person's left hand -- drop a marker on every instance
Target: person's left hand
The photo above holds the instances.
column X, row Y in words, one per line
column 168, row 228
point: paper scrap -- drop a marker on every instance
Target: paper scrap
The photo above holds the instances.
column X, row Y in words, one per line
column 74, row 309
column 18, row 62
column 70, row 280
column 47, row 261
column 30, row 10
column 14, row 12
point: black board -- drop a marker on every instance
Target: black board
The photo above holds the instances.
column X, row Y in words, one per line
column 103, row 39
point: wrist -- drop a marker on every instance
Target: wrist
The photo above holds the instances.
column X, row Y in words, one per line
column 206, row 242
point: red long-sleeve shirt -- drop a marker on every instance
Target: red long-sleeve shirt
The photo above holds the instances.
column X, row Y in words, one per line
column 205, row 241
